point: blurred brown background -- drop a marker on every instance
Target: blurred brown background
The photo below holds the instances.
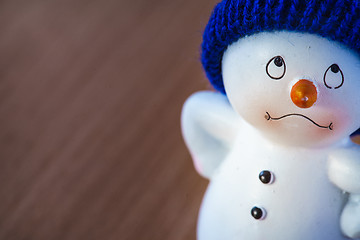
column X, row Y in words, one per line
column 90, row 100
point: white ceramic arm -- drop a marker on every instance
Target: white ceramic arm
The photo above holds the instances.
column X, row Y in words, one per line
column 344, row 169
column 209, row 125
column 350, row 217
column 344, row 172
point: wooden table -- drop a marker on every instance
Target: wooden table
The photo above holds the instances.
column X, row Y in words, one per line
column 90, row 100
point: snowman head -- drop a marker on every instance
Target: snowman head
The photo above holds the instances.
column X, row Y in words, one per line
column 296, row 88
column 289, row 69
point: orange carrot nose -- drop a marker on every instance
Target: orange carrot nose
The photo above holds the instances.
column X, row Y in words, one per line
column 303, row 94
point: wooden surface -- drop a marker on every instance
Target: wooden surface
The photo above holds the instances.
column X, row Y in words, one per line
column 90, row 100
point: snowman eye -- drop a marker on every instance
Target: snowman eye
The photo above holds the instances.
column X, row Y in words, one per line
column 333, row 77
column 276, row 68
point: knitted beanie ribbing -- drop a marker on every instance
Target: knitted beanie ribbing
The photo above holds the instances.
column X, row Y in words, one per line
column 337, row 20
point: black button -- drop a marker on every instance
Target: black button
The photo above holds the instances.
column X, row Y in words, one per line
column 258, row 213
column 266, row 177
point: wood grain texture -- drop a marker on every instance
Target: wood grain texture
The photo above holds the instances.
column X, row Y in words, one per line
column 90, row 100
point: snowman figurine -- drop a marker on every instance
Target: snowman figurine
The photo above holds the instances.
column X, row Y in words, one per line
column 274, row 139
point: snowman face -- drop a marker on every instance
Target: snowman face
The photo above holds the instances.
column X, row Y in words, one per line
column 297, row 89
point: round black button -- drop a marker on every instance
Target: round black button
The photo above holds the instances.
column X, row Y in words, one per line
column 266, row 177
column 258, row 213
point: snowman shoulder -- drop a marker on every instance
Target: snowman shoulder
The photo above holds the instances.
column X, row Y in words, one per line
column 209, row 126
column 344, row 168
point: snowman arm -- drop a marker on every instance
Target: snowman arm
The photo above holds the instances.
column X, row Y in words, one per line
column 344, row 172
column 209, row 126
column 350, row 217
column 344, row 169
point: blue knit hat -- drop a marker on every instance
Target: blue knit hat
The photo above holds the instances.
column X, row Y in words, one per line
column 337, row 20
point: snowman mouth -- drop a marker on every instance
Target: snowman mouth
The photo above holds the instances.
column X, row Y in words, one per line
column 269, row 117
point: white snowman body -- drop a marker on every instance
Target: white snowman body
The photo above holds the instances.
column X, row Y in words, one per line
column 304, row 144
column 300, row 203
